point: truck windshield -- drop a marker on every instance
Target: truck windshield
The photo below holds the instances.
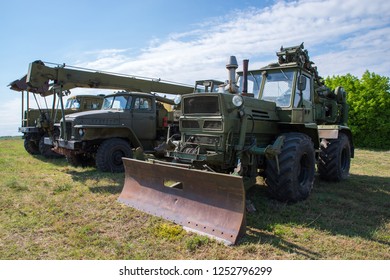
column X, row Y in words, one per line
column 278, row 87
column 72, row 104
column 207, row 85
column 254, row 82
column 119, row 102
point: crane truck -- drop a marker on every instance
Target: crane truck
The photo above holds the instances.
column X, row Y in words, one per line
column 39, row 123
column 279, row 122
column 134, row 118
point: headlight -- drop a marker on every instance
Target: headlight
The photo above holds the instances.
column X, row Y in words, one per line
column 177, row 99
column 81, row 132
column 237, row 100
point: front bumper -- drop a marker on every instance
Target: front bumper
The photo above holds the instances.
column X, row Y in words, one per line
column 69, row 145
column 64, row 147
column 29, row 129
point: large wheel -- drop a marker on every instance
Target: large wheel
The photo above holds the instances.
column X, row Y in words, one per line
column 109, row 155
column 335, row 158
column 46, row 150
column 31, row 147
column 295, row 178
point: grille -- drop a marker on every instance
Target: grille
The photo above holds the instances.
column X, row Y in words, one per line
column 260, row 114
column 212, row 125
column 68, row 127
column 189, row 124
column 201, row 104
column 200, row 139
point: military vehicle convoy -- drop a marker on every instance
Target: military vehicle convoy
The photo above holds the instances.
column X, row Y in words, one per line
column 130, row 119
column 39, row 123
column 279, row 122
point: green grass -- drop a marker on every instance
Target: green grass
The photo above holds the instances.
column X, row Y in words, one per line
column 49, row 210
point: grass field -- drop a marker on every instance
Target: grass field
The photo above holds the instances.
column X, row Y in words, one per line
column 49, row 210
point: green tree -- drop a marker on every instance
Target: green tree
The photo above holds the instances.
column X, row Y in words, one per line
column 369, row 108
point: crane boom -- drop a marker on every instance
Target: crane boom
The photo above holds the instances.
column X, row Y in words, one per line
column 41, row 76
column 21, row 85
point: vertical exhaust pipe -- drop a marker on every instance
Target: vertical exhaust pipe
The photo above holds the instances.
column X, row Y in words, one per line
column 245, row 63
column 231, row 67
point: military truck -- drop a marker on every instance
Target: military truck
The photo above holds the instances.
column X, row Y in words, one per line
column 278, row 122
column 127, row 121
column 130, row 119
column 39, row 123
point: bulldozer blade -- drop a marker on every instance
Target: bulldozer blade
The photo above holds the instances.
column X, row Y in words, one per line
column 205, row 202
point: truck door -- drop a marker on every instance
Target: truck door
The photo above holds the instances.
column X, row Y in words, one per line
column 307, row 100
column 144, row 118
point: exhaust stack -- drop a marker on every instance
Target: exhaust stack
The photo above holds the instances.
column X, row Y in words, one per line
column 245, row 76
column 231, row 67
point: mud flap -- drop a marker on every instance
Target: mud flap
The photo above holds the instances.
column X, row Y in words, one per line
column 209, row 203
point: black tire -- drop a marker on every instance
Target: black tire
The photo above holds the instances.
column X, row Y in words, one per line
column 46, row 150
column 109, row 155
column 31, row 147
column 295, row 180
column 335, row 158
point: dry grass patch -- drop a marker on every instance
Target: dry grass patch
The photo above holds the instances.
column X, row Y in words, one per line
column 49, row 210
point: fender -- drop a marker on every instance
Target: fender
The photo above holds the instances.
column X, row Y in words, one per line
column 95, row 132
column 310, row 129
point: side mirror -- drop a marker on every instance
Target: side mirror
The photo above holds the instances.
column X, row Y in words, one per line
column 301, row 83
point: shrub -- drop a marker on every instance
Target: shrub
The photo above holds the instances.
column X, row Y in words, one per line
column 369, row 108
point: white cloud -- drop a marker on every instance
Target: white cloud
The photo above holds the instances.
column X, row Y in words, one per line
column 342, row 37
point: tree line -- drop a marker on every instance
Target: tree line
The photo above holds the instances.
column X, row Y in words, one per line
column 368, row 99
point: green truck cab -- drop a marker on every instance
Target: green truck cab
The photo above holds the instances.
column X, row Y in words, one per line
column 126, row 121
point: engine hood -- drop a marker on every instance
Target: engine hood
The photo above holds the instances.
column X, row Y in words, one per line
column 96, row 117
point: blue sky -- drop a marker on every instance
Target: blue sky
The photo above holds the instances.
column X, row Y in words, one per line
column 184, row 41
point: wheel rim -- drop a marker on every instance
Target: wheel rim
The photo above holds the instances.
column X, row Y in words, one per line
column 117, row 157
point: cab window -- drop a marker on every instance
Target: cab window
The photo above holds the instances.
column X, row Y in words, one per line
column 72, row 104
column 143, row 103
column 305, row 93
column 254, row 82
column 278, row 87
column 119, row 102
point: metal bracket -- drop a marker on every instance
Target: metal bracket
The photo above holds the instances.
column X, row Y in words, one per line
column 273, row 151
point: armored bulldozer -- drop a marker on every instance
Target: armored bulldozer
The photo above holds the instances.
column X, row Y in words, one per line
column 39, row 123
column 278, row 122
